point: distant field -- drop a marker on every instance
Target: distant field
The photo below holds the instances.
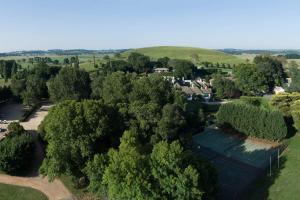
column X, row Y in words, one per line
column 10, row 192
column 186, row 53
column 245, row 56
column 296, row 60
column 86, row 60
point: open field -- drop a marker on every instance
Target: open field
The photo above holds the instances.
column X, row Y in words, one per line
column 284, row 184
column 11, row 192
column 186, row 53
column 296, row 60
column 86, row 60
column 239, row 161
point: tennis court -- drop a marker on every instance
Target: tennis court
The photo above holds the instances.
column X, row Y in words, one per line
column 238, row 161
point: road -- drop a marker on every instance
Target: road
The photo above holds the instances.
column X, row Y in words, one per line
column 53, row 190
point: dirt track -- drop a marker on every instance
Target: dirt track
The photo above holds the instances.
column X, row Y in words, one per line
column 54, row 190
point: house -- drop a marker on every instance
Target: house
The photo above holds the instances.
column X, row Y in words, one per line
column 193, row 89
column 278, row 90
column 161, row 69
column 207, row 93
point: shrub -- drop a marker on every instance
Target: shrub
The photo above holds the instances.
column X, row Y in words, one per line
column 295, row 111
column 253, row 121
column 15, row 152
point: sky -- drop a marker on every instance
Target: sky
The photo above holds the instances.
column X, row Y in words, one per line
column 115, row 24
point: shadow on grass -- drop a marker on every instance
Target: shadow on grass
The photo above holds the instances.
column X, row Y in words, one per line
column 290, row 128
column 260, row 188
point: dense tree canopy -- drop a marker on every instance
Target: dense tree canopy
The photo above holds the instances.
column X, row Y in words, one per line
column 140, row 62
column 30, row 84
column 249, row 79
column 284, row 101
column 76, row 131
column 70, row 84
column 294, row 73
column 168, row 172
column 183, row 68
column 295, row 111
column 8, row 68
column 16, row 150
column 253, row 121
column 260, row 77
column 225, row 88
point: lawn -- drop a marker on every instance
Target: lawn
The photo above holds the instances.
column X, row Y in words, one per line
column 187, row 53
column 11, row 192
column 285, row 183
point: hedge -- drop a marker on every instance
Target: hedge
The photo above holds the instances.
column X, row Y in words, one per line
column 253, row 121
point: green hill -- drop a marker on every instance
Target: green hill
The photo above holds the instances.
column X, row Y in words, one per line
column 187, row 53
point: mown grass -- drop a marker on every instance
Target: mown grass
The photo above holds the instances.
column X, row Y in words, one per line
column 285, row 182
column 11, row 192
column 186, row 53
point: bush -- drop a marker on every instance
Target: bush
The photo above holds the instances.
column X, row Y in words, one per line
column 295, row 111
column 15, row 152
column 253, row 121
column 284, row 101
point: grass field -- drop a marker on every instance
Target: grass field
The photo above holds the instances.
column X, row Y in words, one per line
column 86, row 60
column 296, row 60
column 10, row 192
column 186, row 53
column 284, row 184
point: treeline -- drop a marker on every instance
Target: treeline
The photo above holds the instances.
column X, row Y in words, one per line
column 218, row 65
column 289, row 105
column 260, row 77
column 115, row 144
column 8, row 68
column 30, row 85
column 292, row 56
column 253, row 121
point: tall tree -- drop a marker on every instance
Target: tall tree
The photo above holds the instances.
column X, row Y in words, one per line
column 140, row 62
column 70, row 83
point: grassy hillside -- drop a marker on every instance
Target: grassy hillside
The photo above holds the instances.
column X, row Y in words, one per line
column 187, row 53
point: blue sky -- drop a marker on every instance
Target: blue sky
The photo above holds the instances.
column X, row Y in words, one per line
column 104, row 24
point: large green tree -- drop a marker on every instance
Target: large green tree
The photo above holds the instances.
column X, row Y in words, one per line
column 16, row 150
column 140, row 62
column 183, row 68
column 294, row 73
column 225, row 88
column 250, row 80
column 70, row 84
column 75, row 132
column 180, row 175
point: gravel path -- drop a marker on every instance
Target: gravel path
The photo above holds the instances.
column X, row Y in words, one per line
column 53, row 190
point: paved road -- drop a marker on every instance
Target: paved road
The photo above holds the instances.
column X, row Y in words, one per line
column 54, row 190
